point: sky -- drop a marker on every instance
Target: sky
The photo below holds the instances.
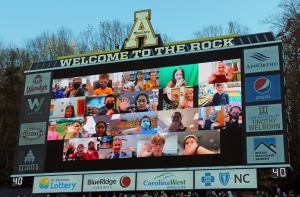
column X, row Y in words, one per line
column 21, row 20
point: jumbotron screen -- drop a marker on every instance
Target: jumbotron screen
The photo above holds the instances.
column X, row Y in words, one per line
column 163, row 116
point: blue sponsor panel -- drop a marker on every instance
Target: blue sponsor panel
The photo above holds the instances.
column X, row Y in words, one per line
column 263, row 88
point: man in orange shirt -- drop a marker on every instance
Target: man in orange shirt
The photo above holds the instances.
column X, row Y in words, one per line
column 103, row 81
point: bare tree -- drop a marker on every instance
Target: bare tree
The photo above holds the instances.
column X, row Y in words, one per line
column 233, row 27
column 286, row 24
column 48, row 46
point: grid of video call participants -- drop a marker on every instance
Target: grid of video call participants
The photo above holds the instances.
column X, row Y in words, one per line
column 146, row 113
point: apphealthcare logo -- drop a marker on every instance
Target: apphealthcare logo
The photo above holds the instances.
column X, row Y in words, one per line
column 70, row 183
column 261, row 59
column 264, row 88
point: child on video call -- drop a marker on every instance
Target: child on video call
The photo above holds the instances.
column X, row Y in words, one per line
column 127, row 85
column 188, row 99
column 221, row 97
column 191, row 146
column 70, row 111
column 173, row 103
column 103, row 81
column 177, row 79
column 222, row 74
column 152, row 84
column 139, row 83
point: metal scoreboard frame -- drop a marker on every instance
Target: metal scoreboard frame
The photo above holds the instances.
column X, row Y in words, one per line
column 261, row 142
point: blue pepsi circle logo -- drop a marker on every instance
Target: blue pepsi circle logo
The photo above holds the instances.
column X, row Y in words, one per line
column 262, row 85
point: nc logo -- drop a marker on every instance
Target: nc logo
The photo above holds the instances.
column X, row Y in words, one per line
column 262, row 85
column 224, row 178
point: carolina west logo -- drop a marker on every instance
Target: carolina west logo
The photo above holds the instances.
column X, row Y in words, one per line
column 168, row 179
column 265, row 149
column 35, row 106
column 32, row 133
column 56, row 183
column 37, row 85
column 29, row 163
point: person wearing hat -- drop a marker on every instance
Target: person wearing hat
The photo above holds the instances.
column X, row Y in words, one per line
column 279, row 193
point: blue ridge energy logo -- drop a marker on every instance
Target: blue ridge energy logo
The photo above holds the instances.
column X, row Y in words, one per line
column 125, row 181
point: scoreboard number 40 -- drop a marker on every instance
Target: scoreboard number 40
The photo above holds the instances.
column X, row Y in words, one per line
column 279, row 172
column 17, row 181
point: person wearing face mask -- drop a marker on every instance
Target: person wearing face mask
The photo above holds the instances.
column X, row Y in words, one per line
column 103, row 81
column 143, row 128
column 108, row 109
column 234, row 118
column 209, row 124
column 76, row 89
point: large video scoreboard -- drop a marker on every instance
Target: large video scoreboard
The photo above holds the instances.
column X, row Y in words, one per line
column 150, row 105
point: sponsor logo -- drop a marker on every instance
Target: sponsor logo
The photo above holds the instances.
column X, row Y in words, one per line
column 44, row 183
column 260, row 57
column 32, row 133
column 265, row 149
column 37, row 80
column 36, row 104
column 40, row 87
column 29, row 163
column 207, row 179
column 125, row 181
column 262, row 85
column 166, row 179
column 224, row 178
column 56, row 183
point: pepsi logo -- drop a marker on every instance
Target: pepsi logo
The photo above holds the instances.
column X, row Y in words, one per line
column 262, row 85
column 125, row 181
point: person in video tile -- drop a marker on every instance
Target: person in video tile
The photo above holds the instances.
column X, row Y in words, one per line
column 154, row 148
column 140, row 102
column 117, row 153
column 127, row 85
column 143, row 128
column 176, row 125
column 100, row 128
column 103, row 81
column 139, row 83
column 177, row 79
column 69, row 111
column 153, row 83
column 108, row 109
column 209, row 124
column 233, row 118
column 80, row 154
column 73, row 131
column 57, row 92
column 92, row 152
column 173, row 103
column 222, row 75
column 221, row 97
column 191, row 146
column 52, row 133
column 76, row 89
column 188, row 100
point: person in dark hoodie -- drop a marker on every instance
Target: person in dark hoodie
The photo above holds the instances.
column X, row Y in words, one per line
column 108, row 109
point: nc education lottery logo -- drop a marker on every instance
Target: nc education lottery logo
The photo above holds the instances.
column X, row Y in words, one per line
column 264, row 88
column 265, row 149
column 57, row 184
